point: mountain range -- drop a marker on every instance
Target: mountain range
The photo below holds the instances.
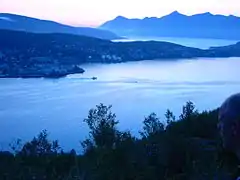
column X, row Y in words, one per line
column 204, row 25
column 28, row 24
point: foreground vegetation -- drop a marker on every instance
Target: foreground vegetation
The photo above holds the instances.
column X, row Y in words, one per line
column 187, row 147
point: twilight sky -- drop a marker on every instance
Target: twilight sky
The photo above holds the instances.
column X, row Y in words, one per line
column 95, row 12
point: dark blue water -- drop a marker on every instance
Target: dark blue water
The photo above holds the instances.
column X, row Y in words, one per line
column 135, row 89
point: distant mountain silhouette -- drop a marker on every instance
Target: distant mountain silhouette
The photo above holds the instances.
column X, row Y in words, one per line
column 23, row 23
column 204, row 25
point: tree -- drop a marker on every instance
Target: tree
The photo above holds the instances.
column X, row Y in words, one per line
column 40, row 146
column 152, row 126
column 102, row 124
column 170, row 118
column 187, row 111
column 16, row 146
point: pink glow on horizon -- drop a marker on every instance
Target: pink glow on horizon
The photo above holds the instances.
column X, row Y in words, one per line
column 95, row 12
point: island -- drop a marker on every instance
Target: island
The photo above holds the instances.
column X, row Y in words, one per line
column 24, row 54
column 39, row 71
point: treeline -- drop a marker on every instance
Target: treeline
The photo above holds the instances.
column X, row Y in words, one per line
column 179, row 148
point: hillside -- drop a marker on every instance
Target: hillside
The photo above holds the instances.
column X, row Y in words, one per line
column 204, row 25
column 226, row 51
column 37, row 55
column 28, row 24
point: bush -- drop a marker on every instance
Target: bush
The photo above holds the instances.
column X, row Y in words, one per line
column 183, row 148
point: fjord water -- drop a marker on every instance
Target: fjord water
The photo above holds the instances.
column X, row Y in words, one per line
column 190, row 42
column 135, row 89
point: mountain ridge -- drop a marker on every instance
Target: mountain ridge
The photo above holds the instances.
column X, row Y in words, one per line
column 29, row 24
column 176, row 12
column 175, row 24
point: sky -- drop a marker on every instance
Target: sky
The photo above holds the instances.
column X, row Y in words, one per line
column 95, row 12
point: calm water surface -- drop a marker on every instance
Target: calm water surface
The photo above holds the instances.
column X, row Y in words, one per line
column 135, row 89
column 190, row 42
